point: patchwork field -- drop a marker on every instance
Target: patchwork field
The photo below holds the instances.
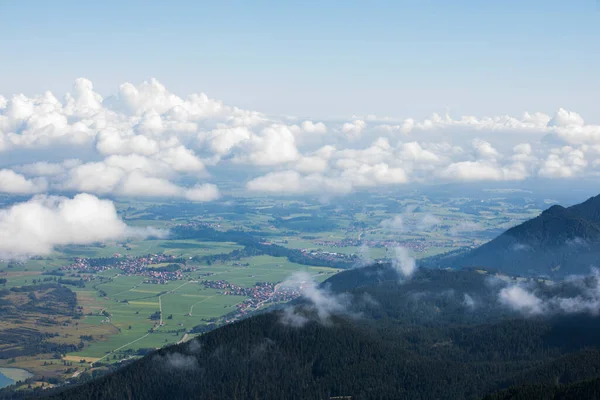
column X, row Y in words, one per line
column 120, row 313
column 129, row 302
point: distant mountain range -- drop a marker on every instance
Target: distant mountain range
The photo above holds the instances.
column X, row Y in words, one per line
column 560, row 241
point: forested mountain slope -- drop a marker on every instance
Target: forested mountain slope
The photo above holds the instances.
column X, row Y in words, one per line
column 559, row 242
column 419, row 338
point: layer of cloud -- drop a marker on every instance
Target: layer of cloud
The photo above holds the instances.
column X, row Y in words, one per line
column 147, row 141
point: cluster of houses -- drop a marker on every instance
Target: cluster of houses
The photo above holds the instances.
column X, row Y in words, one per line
column 261, row 293
column 261, row 289
column 129, row 266
column 329, row 256
column 417, row 246
column 196, row 224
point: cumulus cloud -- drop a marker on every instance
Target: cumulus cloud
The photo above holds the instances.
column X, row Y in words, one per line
column 134, row 176
column 309, row 127
column 563, row 162
column 203, row 192
column 292, row 182
column 38, row 225
column 222, row 140
column 354, row 129
column 485, row 150
column 144, row 131
column 274, row 145
column 43, row 168
column 12, row 182
column 565, row 118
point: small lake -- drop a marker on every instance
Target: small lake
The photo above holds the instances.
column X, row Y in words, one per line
column 8, row 376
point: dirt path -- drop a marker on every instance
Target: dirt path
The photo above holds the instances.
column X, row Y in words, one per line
column 183, row 339
column 117, row 349
column 192, row 306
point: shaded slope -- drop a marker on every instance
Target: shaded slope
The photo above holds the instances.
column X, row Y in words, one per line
column 415, row 339
column 558, row 242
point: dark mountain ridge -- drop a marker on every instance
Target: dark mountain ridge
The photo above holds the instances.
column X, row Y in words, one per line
column 559, row 242
column 414, row 339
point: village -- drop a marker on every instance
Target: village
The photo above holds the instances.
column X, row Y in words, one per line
column 259, row 295
column 130, row 266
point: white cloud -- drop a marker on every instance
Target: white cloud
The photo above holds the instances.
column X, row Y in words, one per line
column 427, row 222
column 43, row 168
column 311, row 164
column 584, row 297
column 181, row 159
column 96, row 177
column 133, row 176
column 472, row 171
column 468, row 301
column 403, row 262
column 563, row 162
column 322, row 301
column 354, row 129
column 309, row 127
column 394, row 224
column 274, row 145
column 379, row 174
column 291, row 182
column 565, row 118
column 520, row 299
column 40, row 224
column 11, row 182
column 485, row 150
column 412, row 151
column 176, row 361
column 203, row 192
column 137, row 184
column 167, row 139
column 222, row 140
column 465, row 226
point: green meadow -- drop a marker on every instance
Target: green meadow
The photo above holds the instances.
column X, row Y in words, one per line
column 129, row 302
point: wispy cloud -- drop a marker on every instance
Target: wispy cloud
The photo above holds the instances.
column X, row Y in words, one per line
column 403, row 262
column 320, row 300
column 585, row 297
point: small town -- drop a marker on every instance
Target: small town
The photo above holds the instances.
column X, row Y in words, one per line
column 259, row 295
column 129, row 266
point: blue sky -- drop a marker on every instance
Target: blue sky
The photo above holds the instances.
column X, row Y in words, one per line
column 317, row 58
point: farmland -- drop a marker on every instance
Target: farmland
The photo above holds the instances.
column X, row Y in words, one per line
column 215, row 263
